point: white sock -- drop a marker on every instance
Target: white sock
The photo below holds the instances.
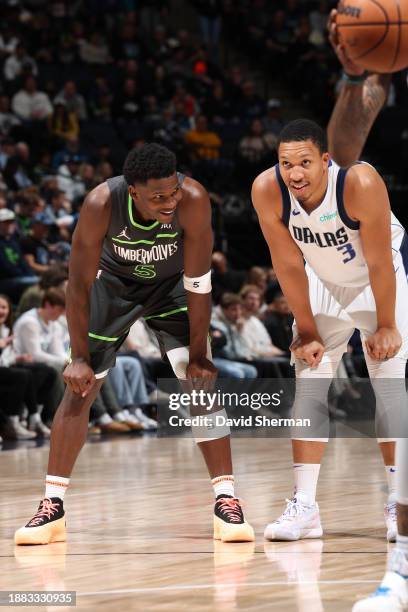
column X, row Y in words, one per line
column 391, row 474
column 55, row 486
column 306, row 476
column 223, row 485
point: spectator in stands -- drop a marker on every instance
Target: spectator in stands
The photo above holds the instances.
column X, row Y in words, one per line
column 249, row 105
column 56, row 277
column 29, row 104
column 95, row 50
column 128, row 383
column 228, row 318
column 255, row 332
column 128, row 103
column 204, row 144
column 25, row 207
column 257, row 276
column 63, row 124
column 224, row 278
column 227, row 368
column 273, row 122
column 39, row 381
column 7, row 150
column 8, row 120
column 218, row 106
column 209, row 12
column 19, row 61
column 74, row 102
column 15, row 274
column 257, row 151
column 35, row 247
column 69, row 178
column 38, row 333
column 8, row 41
column 278, row 321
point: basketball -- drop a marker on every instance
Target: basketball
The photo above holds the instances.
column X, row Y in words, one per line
column 375, row 33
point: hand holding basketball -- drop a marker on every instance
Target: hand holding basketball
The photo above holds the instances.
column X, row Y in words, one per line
column 349, row 66
column 373, row 33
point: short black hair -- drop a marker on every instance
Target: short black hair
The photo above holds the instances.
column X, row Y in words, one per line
column 151, row 161
column 304, row 129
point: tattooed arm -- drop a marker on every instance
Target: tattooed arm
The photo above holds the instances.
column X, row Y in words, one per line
column 357, row 106
column 353, row 116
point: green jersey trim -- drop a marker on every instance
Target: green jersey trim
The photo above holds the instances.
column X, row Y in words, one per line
column 105, row 338
column 166, row 314
column 133, row 222
column 145, row 241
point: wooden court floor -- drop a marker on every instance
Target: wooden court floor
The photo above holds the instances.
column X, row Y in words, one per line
column 139, row 516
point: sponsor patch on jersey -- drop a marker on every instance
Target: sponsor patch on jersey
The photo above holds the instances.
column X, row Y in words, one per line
column 328, row 217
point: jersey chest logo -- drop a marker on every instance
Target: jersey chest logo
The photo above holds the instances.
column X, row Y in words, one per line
column 321, row 239
column 123, row 234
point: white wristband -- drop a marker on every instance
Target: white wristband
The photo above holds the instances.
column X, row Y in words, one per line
column 201, row 284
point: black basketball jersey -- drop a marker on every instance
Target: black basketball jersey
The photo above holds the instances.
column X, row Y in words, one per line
column 147, row 252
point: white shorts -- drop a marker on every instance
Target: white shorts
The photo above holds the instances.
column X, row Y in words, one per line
column 338, row 311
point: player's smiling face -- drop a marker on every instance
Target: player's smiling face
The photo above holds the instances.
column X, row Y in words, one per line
column 304, row 170
column 158, row 198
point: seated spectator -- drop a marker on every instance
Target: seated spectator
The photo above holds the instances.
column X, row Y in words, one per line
column 35, row 384
column 227, row 317
column 129, row 386
column 8, row 41
column 25, row 207
column 256, row 150
column 224, row 278
column 226, row 367
column 74, row 102
column 38, row 333
column 249, row 105
column 56, row 276
column 278, row 321
column 204, row 144
column 69, row 178
column 142, row 343
column 29, row 104
column 256, row 334
column 218, row 107
column 7, row 150
column 128, row 102
column 272, row 122
column 8, row 120
column 257, row 276
column 35, row 247
column 15, row 274
column 63, row 124
column 95, row 50
column 19, row 61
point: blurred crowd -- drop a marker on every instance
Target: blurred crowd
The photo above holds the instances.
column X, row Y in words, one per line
column 83, row 81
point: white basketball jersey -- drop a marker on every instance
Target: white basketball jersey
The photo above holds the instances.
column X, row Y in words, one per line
column 329, row 240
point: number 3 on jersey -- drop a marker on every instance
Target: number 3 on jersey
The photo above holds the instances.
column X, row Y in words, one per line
column 348, row 251
column 145, row 270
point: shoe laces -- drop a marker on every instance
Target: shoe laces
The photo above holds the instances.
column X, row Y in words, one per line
column 293, row 509
column 391, row 510
column 230, row 506
column 47, row 509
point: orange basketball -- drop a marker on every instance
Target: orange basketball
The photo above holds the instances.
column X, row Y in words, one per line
column 375, row 33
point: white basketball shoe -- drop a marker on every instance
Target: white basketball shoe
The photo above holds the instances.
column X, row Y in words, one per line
column 392, row 594
column 298, row 521
column 390, row 516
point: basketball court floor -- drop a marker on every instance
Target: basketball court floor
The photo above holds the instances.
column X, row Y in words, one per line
column 139, row 518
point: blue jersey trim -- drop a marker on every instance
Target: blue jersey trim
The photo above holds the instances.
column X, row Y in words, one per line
column 350, row 223
column 285, row 197
column 404, row 252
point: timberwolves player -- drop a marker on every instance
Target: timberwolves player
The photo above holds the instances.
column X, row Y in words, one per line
column 339, row 222
column 361, row 98
column 142, row 248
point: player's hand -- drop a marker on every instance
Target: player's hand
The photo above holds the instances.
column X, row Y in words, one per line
column 384, row 344
column 309, row 348
column 79, row 377
column 201, row 373
column 349, row 66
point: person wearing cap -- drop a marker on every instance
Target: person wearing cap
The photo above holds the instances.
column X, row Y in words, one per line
column 35, row 247
column 15, row 274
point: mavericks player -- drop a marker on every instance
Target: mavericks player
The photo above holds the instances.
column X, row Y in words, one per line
column 339, row 222
column 142, row 248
